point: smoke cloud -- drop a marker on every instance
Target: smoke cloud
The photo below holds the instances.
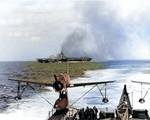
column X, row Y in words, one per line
column 105, row 35
column 103, row 30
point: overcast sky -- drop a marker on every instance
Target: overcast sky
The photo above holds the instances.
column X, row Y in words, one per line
column 103, row 30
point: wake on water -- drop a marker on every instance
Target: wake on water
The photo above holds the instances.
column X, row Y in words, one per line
column 34, row 107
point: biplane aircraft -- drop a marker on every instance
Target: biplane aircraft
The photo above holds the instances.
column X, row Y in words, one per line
column 60, row 85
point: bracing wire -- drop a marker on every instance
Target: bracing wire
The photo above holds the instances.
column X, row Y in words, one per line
column 82, row 96
column 39, row 94
column 100, row 90
column 146, row 93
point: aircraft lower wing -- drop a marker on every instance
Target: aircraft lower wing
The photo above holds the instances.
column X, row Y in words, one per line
column 49, row 84
column 59, row 86
column 30, row 81
column 141, row 82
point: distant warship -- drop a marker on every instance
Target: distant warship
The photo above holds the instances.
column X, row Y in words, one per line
column 62, row 58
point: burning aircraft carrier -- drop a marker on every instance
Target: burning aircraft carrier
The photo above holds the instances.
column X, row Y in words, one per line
column 62, row 58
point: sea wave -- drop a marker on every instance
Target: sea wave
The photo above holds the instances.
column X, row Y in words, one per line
column 33, row 107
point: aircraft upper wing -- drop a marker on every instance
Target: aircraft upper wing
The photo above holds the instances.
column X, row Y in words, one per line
column 31, row 81
column 140, row 82
column 90, row 83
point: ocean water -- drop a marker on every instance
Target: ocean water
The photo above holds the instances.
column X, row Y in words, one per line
column 34, row 107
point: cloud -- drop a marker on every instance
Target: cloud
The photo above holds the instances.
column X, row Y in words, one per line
column 37, row 24
column 99, row 29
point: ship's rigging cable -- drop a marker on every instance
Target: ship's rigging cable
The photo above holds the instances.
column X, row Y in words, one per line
column 39, row 94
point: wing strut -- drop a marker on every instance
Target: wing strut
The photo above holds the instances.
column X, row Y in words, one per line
column 141, row 90
column 101, row 90
column 19, row 95
column 142, row 99
column 105, row 99
column 18, row 91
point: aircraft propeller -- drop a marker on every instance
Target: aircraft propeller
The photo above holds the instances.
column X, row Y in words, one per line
column 58, row 86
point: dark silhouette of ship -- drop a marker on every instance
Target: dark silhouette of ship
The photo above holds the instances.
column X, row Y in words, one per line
column 62, row 58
